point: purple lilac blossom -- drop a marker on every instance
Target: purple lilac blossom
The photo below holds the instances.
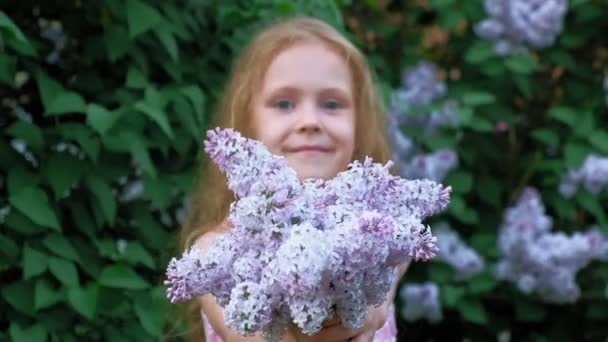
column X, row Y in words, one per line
column 592, row 175
column 542, row 262
column 455, row 252
column 433, row 166
column 421, row 302
column 303, row 251
column 421, row 86
column 516, row 25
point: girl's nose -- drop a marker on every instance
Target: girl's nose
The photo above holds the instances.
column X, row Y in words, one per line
column 308, row 118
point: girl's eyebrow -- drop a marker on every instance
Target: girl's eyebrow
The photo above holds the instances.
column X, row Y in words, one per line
column 338, row 91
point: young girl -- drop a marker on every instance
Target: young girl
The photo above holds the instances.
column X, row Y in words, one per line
column 308, row 94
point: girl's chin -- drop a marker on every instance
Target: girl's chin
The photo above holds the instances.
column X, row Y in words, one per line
column 314, row 173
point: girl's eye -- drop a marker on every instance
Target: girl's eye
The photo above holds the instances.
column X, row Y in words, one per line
column 284, row 105
column 330, row 105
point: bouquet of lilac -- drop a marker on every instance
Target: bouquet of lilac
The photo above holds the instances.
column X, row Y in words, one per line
column 301, row 251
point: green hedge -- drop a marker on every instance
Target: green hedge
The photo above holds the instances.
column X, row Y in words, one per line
column 104, row 105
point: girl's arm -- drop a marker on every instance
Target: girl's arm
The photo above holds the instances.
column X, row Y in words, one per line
column 215, row 313
column 401, row 269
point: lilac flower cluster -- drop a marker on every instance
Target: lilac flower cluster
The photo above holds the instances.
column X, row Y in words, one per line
column 516, row 25
column 593, row 175
column 433, row 166
column 540, row 261
column 455, row 252
column 421, row 302
column 300, row 252
column 421, row 86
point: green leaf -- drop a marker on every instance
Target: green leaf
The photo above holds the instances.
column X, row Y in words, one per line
column 479, row 52
column 440, row 272
column 9, row 25
column 34, row 262
column 85, row 137
column 461, row 182
column 10, row 252
column 158, row 190
column 521, row 63
column 63, row 172
column 65, row 271
column 67, row 102
column 139, row 151
column 84, row 300
column 121, row 276
column 459, row 209
column 49, row 89
column 8, row 65
column 546, row 136
column 100, row 118
column 451, row 295
column 20, row 295
column 592, row 204
column 157, row 115
column 565, row 115
column 599, row 139
column 526, row 311
column 136, row 253
column 136, row 79
column 22, row 224
column 35, row 333
column 166, row 38
column 483, row 282
column 141, row 17
column 472, row 310
column 61, row 246
column 27, row 132
column 476, row 98
column 465, row 115
column 481, row 125
column 104, row 195
column 150, row 310
column 34, row 203
column 488, row 189
column 45, row 295
column 117, row 42
column 575, row 154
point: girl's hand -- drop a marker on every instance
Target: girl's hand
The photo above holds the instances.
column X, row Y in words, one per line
column 334, row 331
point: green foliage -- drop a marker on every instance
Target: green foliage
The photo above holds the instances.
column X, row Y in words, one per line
column 90, row 209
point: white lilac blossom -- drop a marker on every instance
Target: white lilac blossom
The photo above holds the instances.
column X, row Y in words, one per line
column 301, row 251
column 592, row 175
column 517, row 25
column 421, row 301
column 455, row 252
column 542, row 262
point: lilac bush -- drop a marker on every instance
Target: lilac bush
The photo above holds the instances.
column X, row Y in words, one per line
column 455, row 252
column 516, row 25
column 542, row 262
column 592, row 175
column 303, row 251
column 421, row 302
column 421, row 86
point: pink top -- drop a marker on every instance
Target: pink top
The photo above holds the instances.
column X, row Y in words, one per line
column 388, row 332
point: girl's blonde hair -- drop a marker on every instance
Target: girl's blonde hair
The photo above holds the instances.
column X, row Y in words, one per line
column 211, row 198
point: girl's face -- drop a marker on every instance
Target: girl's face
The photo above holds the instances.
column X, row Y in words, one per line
column 305, row 110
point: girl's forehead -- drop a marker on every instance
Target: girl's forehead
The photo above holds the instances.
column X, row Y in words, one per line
column 308, row 63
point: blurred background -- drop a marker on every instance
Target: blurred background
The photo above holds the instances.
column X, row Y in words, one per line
column 104, row 105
